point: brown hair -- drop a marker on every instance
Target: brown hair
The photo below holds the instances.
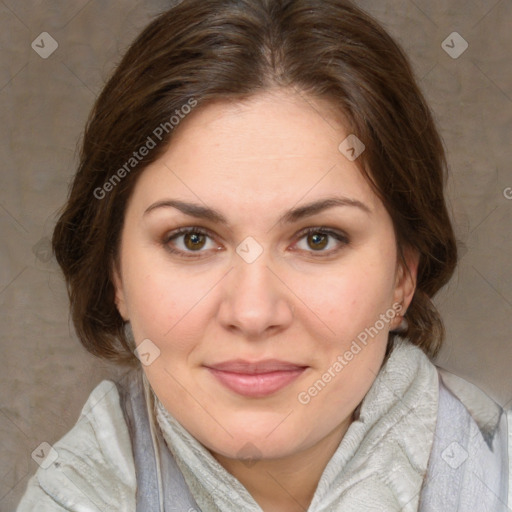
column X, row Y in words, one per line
column 202, row 50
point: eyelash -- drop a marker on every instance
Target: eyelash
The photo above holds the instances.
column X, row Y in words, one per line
column 340, row 237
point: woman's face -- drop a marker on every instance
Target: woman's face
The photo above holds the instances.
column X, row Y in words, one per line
column 258, row 336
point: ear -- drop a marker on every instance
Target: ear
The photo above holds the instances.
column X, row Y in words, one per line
column 119, row 292
column 406, row 278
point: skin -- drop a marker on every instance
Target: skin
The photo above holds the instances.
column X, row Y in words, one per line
column 253, row 161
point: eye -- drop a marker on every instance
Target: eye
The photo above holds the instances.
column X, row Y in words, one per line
column 317, row 239
column 193, row 242
column 189, row 240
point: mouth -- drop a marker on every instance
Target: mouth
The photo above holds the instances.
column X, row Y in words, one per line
column 256, row 379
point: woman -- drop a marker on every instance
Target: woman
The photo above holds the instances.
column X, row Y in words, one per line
column 258, row 227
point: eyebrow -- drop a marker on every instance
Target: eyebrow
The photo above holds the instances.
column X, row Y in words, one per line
column 293, row 215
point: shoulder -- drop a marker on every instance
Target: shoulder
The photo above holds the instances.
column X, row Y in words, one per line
column 490, row 443
column 485, row 411
column 92, row 466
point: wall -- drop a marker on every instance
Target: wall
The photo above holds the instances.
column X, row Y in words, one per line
column 46, row 375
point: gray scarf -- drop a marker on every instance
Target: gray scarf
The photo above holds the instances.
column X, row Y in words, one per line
column 379, row 465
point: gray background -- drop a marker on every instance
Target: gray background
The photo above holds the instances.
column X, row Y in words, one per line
column 46, row 375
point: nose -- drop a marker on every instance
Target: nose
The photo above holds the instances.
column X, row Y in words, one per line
column 255, row 300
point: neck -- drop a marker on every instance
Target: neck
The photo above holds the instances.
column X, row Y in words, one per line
column 287, row 484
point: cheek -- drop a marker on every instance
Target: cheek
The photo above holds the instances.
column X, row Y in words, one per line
column 350, row 298
column 160, row 301
column 349, row 358
column 172, row 307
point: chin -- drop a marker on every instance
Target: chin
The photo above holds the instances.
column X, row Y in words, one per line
column 267, row 439
column 252, row 450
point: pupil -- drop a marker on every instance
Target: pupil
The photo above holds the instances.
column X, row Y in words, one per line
column 319, row 240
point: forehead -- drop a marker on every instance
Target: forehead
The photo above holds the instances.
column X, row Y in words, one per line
column 272, row 125
column 265, row 152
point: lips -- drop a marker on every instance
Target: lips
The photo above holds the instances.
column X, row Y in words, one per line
column 265, row 366
column 256, row 379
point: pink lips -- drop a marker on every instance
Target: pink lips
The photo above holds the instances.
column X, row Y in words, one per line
column 256, row 379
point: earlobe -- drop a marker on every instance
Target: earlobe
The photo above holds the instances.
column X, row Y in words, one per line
column 119, row 293
column 406, row 278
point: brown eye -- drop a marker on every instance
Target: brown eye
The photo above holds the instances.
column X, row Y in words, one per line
column 194, row 241
column 321, row 241
column 318, row 241
column 190, row 242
